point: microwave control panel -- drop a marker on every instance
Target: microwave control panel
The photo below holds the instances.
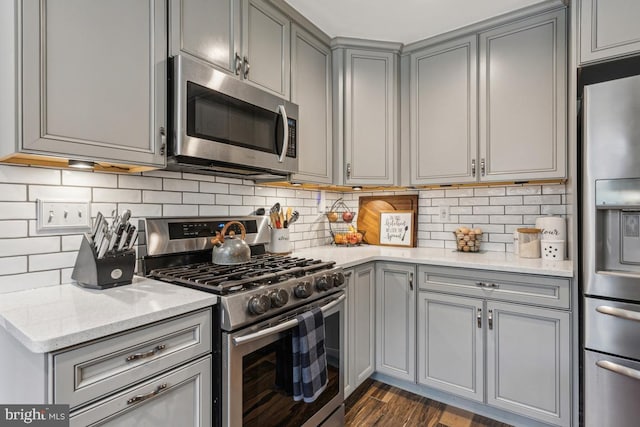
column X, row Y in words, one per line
column 292, row 149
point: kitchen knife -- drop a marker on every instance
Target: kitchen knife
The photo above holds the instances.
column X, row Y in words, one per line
column 131, row 237
column 104, row 245
column 122, row 242
column 96, row 225
column 118, row 236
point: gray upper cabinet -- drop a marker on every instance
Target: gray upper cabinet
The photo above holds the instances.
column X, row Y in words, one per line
column 208, row 30
column 443, row 96
column 370, row 117
column 311, row 90
column 266, row 47
column 490, row 106
column 608, row 29
column 93, row 80
column 247, row 38
column 522, row 82
column 395, row 320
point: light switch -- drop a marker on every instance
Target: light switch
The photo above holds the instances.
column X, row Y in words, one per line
column 445, row 213
column 63, row 216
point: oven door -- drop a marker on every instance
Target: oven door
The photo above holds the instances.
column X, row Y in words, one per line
column 257, row 371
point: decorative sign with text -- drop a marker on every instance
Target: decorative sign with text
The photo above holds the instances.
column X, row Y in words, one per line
column 396, row 228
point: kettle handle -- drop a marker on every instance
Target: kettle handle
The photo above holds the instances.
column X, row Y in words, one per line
column 227, row 225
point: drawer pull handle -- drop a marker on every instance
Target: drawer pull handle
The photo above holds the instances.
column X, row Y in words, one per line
column 142, row 397
column 491, row 285
column 619, row 312
column 155, row 350
column 619, row 369
column 480, row 284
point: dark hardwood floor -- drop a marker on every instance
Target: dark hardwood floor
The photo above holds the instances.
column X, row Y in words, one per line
column 378, row 404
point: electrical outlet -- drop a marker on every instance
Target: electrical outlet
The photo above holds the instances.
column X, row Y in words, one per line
column 63, row 216
column 445, row 212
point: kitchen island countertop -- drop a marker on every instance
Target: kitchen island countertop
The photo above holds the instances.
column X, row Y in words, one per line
column 494, row 261
column 53, row 317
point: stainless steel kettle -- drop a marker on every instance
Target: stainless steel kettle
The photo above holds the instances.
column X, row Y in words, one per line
column 232, row 251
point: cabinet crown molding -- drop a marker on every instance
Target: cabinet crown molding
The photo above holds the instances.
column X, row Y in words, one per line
column 349, row 42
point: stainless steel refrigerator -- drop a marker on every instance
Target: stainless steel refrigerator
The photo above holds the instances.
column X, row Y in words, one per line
column 610, row 244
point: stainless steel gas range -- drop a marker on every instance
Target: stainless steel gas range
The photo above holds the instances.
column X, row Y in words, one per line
column 255, row 317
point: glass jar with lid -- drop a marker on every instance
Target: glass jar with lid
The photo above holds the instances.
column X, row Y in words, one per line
column 529, row 242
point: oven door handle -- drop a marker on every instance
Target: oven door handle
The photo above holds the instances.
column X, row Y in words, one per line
column 282, row 326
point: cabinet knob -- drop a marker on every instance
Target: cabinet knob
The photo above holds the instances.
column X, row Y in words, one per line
column 473, row 168
column 348, row 170
column 238, row 65
column 482, row 167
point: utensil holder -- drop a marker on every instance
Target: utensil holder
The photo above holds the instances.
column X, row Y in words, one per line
column 115, row 269
column 280, row 243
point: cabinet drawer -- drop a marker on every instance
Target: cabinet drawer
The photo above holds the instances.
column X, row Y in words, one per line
column 91, row 371
column 181, row 397
column 513, row 287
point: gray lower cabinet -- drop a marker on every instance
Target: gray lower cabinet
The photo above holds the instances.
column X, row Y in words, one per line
column 311, row 90
column 92, row 81
column 608, row 29
column 451, row 344
column 481, row 337
column 155, row 375
column 360, row 329
column 529, row 361
column 181, row 397
column 395, row 320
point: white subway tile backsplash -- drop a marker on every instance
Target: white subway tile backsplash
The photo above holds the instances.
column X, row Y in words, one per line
column 18, row 210
column 553, row 210
column 16, row 228
column 473, row 219
column 243, row 190
column 89, row 179
column 149, row 196
column 265, row 191
column 13, row 265
column 524, row 190
column 555, row 199
column 554, row 189
column 163, row 174
column 505, row 200
column 488, row 210
column 50, row 192
column 29, row 175
column 227, row 199
column 505, row 219
column 21, row 282
column 227, row 180
column 197, row 198
column 139, row 210
column 139, row 182
column 179, row 185
column 522, row 210
column 254, row 201
column 474, row 201
column 459, row 192
column 489, row 191
column 240, row 210
column 214, row 188
column 29, row 245
column 197, row 177
column 180, row 210
column 52, row 261
column 285, row 192
column 213, row 210
column 461, row 210
column 116, row 196
column 13, row 193
column 71, row 243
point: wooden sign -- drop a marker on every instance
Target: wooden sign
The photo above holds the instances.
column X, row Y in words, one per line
column 396, row 228
column 369, row 208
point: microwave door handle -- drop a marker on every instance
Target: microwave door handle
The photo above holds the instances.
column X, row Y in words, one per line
column 285, row 139
column 282, row 326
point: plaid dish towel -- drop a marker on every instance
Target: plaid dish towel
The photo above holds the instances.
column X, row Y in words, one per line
column 309, row 359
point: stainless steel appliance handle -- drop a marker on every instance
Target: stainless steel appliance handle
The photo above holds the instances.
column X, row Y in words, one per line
column 619, row 369
column 281, row 326
column 619, row 312
column 285, row 139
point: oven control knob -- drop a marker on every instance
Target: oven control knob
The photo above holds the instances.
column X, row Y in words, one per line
column 338, row 279
column 303, row 289
column 259, row 304
column 324, row 283
column 279, row 298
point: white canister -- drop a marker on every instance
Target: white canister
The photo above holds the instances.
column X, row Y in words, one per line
column 553, row 227
column 280, row 243
column 553, row 250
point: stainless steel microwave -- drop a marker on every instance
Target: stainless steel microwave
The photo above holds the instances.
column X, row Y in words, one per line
column 221, row 125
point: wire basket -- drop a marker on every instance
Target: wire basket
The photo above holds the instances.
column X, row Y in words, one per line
column 468, row 239
column 343, row 231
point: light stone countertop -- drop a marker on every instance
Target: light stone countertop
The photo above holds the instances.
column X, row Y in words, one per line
column 495, row 261
column 54, row 317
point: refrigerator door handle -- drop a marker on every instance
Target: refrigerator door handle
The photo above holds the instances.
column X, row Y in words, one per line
column 619, row 312
column 619, row 369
